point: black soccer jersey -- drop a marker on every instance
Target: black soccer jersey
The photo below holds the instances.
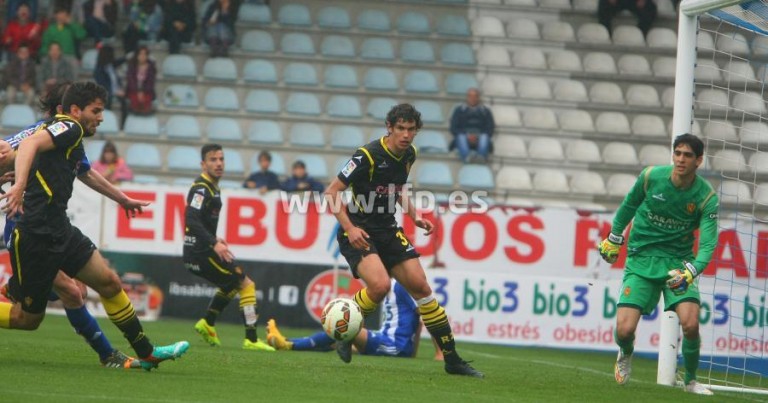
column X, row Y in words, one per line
column 51, row 178
column 376, row 177
column 202, row 215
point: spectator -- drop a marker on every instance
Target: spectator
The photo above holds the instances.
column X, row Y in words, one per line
column 12, row 8
column 75, row 8
column 472, row 126
column 105, row 74
column 644, row 10
column 219, row 26
column 20, row 76
column 55, row 68
column 100, row 18
column 111, row 166
column 179, row 24
column 140, row 82
column 264, row 180
column 66, row 32
column 146, row 21
column 23, row 29
column 300, row 180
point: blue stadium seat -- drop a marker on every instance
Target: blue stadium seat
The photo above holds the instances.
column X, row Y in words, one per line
column 294, row 14
column 257, row 41
column 277, row 166
column 184, row 158
column 295, row 43
column 234, row 162
column 459, row 83
column 93, row 148
column 303, row 103
column 307, row 135
column 341, row 76
column 316, row 166
column 146, row 179
column 142, row 155
column 262, row 101
column 259, row 71
column 266, row 132
column 421, row 81
column 183, row 181
column 417, row 52
column 430, row 111
column 434, row 173
column 180, row 96
column 347, row 137
column 453, row 25
column 476, row 176
column 379, row 107
column 333, row 17
column 457, row 53
column 224, row 129
column 299, row 74
column 373, row 20
column 337, row 46
column 431, row 142
column 182, row 126
column 88, row 63
column 179, row 66
column 109, row 124
column 254, row 13
column 17, row 116
column 380, row 79
column 413, row 22
column 220, row 68
column 221, row 99
column 377, row 49
column 343, row 106
column 142, row 125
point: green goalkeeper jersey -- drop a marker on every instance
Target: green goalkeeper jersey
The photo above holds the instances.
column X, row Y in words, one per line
column 666, row 217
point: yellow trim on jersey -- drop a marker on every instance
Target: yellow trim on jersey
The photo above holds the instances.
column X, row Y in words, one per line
column 44, row 184
column 370, row 159
column 16, row 252
column 82, row 133
column 706, row 199
column 384, row 144
column 415, row 151
column 354, row 199
column 219, row 268
column 211, row 181
column 646, row 178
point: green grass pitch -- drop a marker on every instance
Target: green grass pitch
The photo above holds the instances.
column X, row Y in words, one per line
column 54, row 365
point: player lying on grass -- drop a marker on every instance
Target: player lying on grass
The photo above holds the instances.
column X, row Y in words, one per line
column 398, row 335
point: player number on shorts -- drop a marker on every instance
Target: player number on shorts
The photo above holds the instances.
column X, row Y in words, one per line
column 403, row 239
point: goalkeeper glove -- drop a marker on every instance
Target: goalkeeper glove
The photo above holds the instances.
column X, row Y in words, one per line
column 609, row 247
column 680, row 279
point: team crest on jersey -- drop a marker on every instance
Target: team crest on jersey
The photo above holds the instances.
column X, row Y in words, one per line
column 690, row 208
column 197, row 201
column 627, row 291
column 347, row 170
column 57, row 128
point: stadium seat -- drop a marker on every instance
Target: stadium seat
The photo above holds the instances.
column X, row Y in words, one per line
column 506, row 115
column 316, row 166
column 453, row 25
column 475, row 176
column 458, row 54
column 184, row 158
column 431, row 142
column 179, row 66
column 612, row 122
column 413, row 22
column 373, row 20
column 340, row 76
column 379, row 107
column 540, row 118
column 761, row 194
column 583, row 151
column 265, row 132
column 534, row 88
column 734, row 192
column 496, row 84
column 576, row 120
column 430, row 111
column 707, row 71
column 661, row 38
column 422, row 81
column 558, row 31
column 459, row 83
column 593, row 33
column 259, row 71
column 571, row 91
column 262, row 101
column 434, row 173
column 142, row 155
column 487, row 26
column 220, row 69
column 299, row 74
column 529, row 3
column 89, row 60
column 221, row 99
column 750, row 102
column 146, row 179
column 417, row 52
column 513, row 178
column 599, row 62
column 257, row 41
column 668, row 97
column 224, row 129
column 720, row 130
column 109, row 124
column 307, row 135
column 587, row 182
column 754, row 132
column 664, row 67
column 704, row 40
column 652, row 154
column 563, row 60
column 732, row 43
column 634, row 65
column 628, row 35
column 182, row 127
column 643, row 95
column 758, row 162
column 529, row 58
column 620, row 154
column 550, row 181
column 605, row 92
column 93, row 148
column 380, row 79
column 142, row 125
column 344, row 106
column 620, row 184
column 303, row 103
column 493, row 55
column 334, row 17
column 336, row 46
column 295, row 43
column 760, row 45
column 234, row 161
column 738, row 72
column 347, row 137
column 547, row 149
column 523, row 28
column 294, row 14
column 555, row 4
column 180, row 96
column 254, row 13
column 648, row 126
column 509, row 146
column 377, row 49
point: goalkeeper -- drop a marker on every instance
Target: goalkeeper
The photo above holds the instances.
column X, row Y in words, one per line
column 668, row 203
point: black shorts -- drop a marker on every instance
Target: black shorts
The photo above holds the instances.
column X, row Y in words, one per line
column 390, row 244
column 37, row 258
column 226, row 276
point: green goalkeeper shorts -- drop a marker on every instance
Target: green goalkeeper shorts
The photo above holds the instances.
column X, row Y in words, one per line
column 645, row 281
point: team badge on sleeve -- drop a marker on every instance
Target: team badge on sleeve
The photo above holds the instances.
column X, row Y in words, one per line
column 58, row 128
column 347, row 170
column 197, row 201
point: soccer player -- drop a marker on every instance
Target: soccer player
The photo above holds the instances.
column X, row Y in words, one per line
column 44, row 239
column 209, row 257
column 668, row 203
column 370, row 239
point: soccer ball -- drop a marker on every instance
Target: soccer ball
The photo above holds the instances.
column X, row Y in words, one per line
column 342, row 319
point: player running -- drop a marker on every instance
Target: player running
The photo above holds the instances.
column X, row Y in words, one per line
column 370, row 239
column 668, row 203
column 44, row 239
column 209, row 257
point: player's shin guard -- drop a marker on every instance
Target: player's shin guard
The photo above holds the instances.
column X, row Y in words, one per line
column 366, row 304
column 691, row 350
column 218, row 303
column 250, row 311
column 5, row 315
column 627, row 346
column 85, row 325
column 436, row 322
column 121, row 313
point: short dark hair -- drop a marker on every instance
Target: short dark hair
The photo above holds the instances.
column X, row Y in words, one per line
column 208, row 148
column 406, row 113
column 697, row 146
column 82, row 94
column 265, row 154
column 50, row 101
column 299, row 163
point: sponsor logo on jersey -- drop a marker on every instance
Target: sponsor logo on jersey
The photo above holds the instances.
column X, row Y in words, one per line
column 197, row 201
column 383, row 165
column 713, row 216
column 659, row 197
column 57, row 128
column 690, row 208
column 349, row 168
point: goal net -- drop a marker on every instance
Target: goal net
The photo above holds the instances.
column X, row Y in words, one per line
column 721, row 75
